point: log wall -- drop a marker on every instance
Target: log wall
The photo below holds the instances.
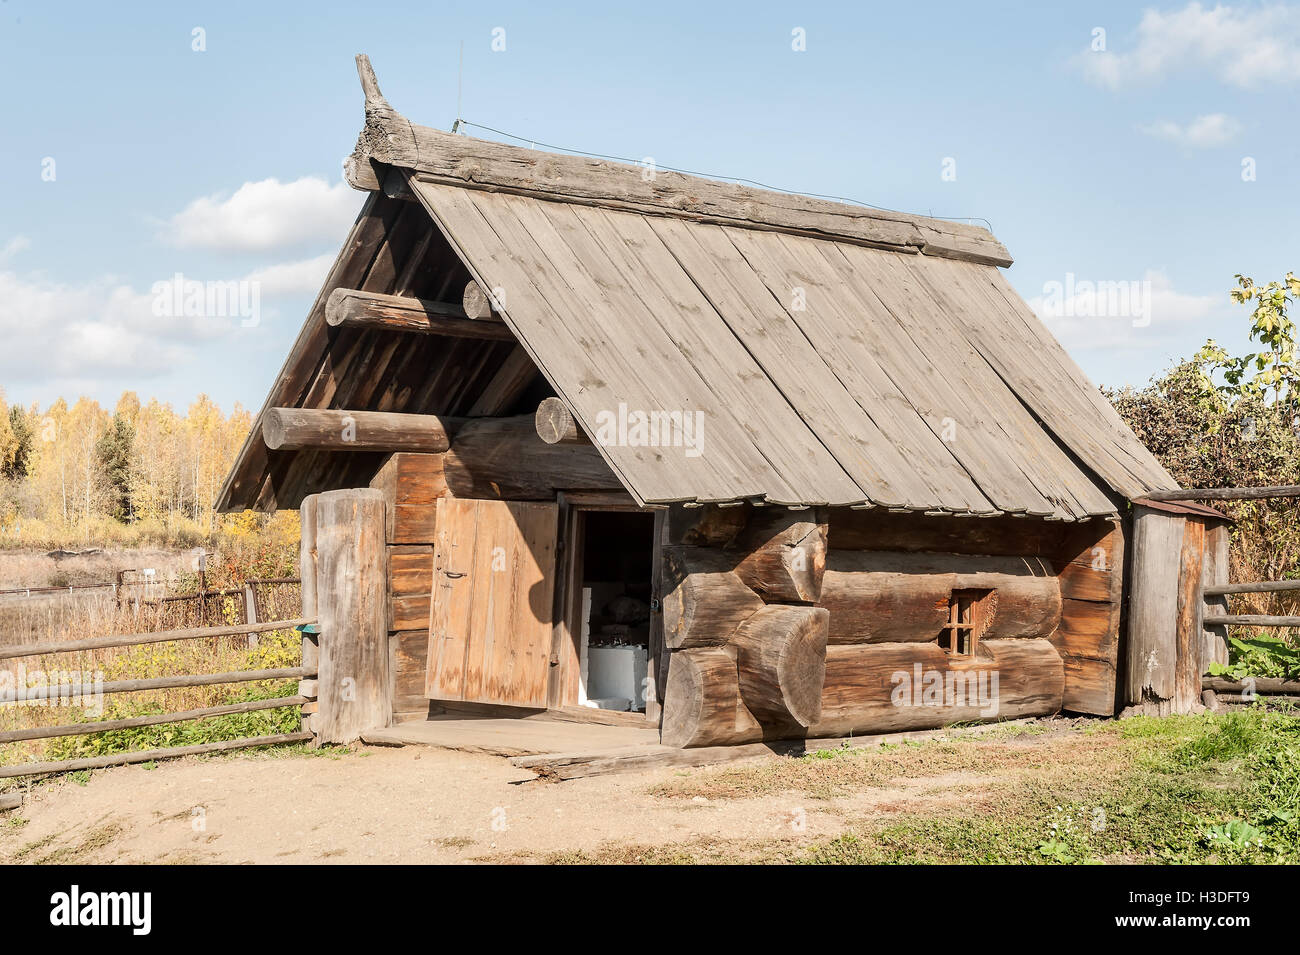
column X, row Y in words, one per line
column 881, row 587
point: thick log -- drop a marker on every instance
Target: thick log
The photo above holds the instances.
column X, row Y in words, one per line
column 351, row 593
column 389, row 138
column 399, row 313
column 702, row 702
column 478, row 304
column 784, row 555
column 873, row 688
column 781, row 658
column 1153, row 606
column 555, row 425
column 503, row 459
column 293, row 428
column 888, row 597
column 704, row 601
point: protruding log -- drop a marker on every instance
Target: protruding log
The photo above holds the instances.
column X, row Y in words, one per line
column 555, row 425
column 889, row 597
column 502, row 458
column 883, row 687
column 702, row 704
column 400, row 313
column 293, row 428
column 478, row 304
column 781, row 657
column 784, row 555
column 704, row 601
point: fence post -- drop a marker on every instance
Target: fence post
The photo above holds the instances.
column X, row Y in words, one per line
column 351, row 605
column 250, row 612
column 310, row 641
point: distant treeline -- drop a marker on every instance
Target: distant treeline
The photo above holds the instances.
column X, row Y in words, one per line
column 137, row 471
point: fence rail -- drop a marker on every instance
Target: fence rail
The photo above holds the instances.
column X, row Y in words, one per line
column 1255, row 587
column 140, row 639
column 305, row 698
column 1250, row 620
column 1224, row 493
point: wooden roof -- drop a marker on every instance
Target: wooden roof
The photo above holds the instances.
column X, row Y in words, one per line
column 836, row 355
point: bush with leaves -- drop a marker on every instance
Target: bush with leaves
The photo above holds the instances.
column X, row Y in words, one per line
column 1217, row 420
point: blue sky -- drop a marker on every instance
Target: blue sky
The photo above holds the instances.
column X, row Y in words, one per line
column 1122, row 164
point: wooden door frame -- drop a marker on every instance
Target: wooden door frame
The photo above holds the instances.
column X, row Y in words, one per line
column 574, row 506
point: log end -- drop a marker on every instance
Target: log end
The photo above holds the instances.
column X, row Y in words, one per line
column 273, row 429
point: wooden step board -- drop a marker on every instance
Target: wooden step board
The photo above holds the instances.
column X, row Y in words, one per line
column 511, row 737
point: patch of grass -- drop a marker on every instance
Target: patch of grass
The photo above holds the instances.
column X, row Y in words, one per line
column 1194, row 789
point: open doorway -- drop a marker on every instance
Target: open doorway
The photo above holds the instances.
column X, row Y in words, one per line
column 615, row 591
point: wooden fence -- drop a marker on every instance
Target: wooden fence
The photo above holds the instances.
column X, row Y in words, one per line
column 306, row 696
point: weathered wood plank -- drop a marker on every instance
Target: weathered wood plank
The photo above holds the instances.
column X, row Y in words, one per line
column 355, row 681
column 1153, row 606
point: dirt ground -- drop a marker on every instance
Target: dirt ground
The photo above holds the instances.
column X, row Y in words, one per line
column 404, row 805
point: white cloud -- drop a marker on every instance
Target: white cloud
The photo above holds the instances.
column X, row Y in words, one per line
column 265, row 215
column 1243, row 46
column 1086, row 315
column 293, row 278
column 1204, row 132
column 58, row 331
column 11, row 248
column 54, row 330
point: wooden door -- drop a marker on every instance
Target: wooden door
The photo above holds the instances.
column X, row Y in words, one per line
column 493, row 588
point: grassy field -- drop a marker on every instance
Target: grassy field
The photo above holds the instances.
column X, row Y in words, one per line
column 1203, row 789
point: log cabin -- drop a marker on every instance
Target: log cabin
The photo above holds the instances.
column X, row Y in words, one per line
column 741, row 464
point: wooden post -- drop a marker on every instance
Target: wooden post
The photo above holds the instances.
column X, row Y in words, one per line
column 1153, row 610
column 1214, row 573
column 351, row 604
column 307, row 574
column 250, row 612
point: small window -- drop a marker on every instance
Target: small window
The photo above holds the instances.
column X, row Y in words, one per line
column 969, row 615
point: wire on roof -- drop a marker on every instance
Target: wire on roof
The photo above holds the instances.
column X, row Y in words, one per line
column 688, row 172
